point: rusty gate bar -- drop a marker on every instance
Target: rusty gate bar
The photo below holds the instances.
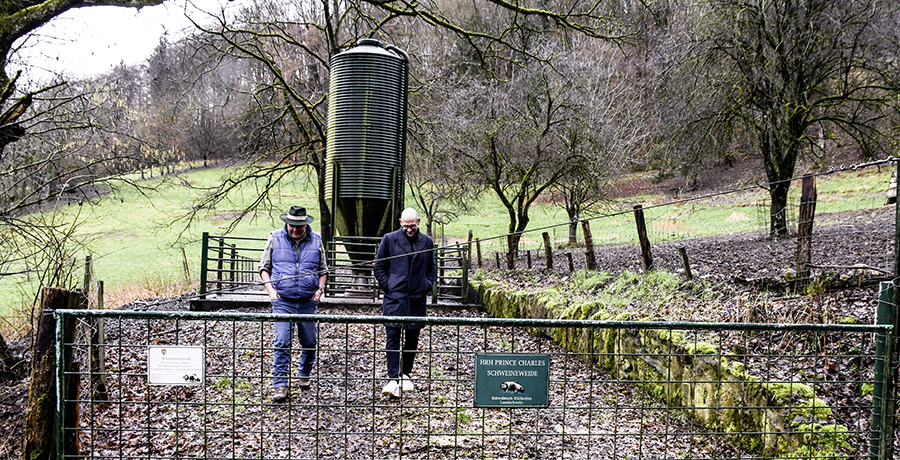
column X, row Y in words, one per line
column 611, row 398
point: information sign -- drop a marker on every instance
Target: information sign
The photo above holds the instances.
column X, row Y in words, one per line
column 512, row 380
column 171, row 365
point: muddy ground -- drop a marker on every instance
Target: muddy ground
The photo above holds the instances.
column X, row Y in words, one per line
column 852, row 252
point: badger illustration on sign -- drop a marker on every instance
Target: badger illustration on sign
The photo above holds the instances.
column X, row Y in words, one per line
column 512, row 387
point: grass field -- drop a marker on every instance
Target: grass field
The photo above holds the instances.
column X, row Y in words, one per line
column 140, row 244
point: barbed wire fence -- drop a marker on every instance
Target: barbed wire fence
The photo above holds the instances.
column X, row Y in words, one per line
column 741, row 214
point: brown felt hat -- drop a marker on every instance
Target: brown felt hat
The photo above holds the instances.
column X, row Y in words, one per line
column 296, row 216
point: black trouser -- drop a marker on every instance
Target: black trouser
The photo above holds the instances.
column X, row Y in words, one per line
column 410, row 345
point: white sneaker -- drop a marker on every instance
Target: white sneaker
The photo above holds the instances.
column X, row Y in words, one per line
column 392, row 389
column 406, row 384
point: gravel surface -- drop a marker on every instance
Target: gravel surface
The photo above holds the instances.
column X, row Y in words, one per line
column 854, row 250
column 345, row 416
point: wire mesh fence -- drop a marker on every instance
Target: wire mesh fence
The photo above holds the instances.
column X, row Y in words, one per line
column 617, row 390
column 666, row 222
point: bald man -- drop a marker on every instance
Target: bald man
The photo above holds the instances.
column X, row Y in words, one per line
column 405, row 270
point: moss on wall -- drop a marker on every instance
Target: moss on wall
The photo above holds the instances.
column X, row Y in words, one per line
column 771, row 419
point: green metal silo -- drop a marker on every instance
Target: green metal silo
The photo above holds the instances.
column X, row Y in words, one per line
column 366, row 152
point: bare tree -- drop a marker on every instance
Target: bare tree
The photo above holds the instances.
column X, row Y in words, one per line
column 608, row 135
column 52, row 161
column 289, row 46
column 439, row 196
column 292, row 43
column 509, row 141
column 19, row 19
column 54, row 166
column 783, row 75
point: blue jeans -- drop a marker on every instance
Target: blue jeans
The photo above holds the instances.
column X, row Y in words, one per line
column 306, row 332
column 398, row 363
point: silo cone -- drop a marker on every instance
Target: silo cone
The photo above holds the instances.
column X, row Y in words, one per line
column 366, row 152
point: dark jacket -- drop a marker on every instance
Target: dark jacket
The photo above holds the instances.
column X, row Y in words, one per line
column 405, row 280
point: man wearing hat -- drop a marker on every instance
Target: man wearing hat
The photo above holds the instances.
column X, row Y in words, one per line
column 293, row 271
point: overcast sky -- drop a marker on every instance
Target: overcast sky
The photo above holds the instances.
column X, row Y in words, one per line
column 91, row 40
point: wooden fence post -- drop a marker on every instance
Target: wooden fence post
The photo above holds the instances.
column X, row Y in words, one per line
column 646, row 256
column 184, row 263
column 528, row 258
column 571, row 264
column 40, row 414
column 469, row 250
column 548, row 250
column 478, row 247
column 94, row 330
column 590, row 258
column 805, row 226
column 891, row 195
column 88, row 272
column 687, row 265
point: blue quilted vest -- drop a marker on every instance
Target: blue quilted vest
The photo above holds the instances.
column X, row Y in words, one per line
column 295, row 267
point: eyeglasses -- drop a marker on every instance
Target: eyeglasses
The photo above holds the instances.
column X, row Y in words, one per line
column 409, row 226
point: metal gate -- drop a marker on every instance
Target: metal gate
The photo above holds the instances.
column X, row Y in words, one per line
column 607, row 397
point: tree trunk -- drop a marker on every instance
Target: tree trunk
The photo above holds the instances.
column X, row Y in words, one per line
column 512, row 242
column 326, row 231
column 548, row 250
column 780, row 159
column 573, row 231
column 40, row 435
column 778, row 209
column 574, row 216
column 523, row 219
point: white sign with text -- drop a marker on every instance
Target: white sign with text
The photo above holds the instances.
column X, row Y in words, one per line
column 171, row 365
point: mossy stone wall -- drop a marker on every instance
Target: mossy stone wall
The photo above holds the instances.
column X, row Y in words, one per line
column 770, row 419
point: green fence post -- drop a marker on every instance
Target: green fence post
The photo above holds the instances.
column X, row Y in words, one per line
column 219, row 264
column 232, row 265
column 438, row 255
column 203, row 250
column 882, row 430
column 465, row 274
column 60, row 389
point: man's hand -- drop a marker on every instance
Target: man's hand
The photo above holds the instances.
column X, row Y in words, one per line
column 267, row 282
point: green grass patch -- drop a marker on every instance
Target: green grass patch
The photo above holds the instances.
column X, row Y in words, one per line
column 140, row 246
